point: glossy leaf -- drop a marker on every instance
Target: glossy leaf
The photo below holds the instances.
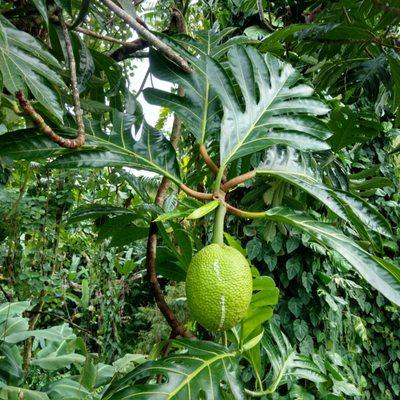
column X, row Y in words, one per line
column 41, row 7
column 204, row 210
column 299, row 169
column 153, row 152
column 199, row 370
column 286, row 361
column 260, row 310
column 380, row 274
column 95, row 211
column 199, row 109
column 276, row 110
column 24, row 63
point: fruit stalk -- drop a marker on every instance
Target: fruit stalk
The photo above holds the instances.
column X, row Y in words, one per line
column 218, row 231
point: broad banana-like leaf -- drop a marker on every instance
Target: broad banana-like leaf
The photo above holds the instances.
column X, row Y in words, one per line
column 272, row 108
column 299, row 169
column 24, row 63
column 13, row 392
column 152, row 152
column 380, row 274
column 206, row 370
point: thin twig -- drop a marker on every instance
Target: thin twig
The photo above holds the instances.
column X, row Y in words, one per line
column 43, row 127
column 143, row 83
column 74, row 84
column 177, row 328
column 96, row 35
column 261, row 15
column 148, row 36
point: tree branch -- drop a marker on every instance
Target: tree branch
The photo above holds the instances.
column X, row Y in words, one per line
column 261, row 15
column 96, row 35
column 43, row 127
column 80, row 139
column 148, row 36
column 128, row 49
column 177, row 328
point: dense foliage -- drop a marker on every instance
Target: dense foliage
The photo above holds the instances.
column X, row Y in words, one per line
column 284, row 114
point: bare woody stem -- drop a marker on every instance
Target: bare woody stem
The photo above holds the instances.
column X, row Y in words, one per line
column 96, row 35
column 80, row 139
column 43, row 127
column 148, row 36
column 177, row 328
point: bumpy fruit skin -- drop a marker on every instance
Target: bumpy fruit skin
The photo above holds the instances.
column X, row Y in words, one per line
column 218, row 287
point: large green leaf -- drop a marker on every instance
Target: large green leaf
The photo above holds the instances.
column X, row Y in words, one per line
column 152, row 152
column 24, row 63
column 199, row 108
column 380, row 274
column 13, row 392
column 197, row 373
column 275, row 108
column 299, row 169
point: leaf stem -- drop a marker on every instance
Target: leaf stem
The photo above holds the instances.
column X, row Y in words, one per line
column 193, row 193
column 218, row 179
column 245, row 214
column 207, row 159
column 238, row 180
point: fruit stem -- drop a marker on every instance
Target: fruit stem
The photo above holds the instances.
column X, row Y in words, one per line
column 218, row 179
column 218, row 231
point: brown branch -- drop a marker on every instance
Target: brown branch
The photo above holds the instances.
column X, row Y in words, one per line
column 148, row 36
column 128, row 49
column 80, row 139
column 177, row 328
column 310, row 16
column 261, row 15
column 43, row 127
column 238, row 180
column 96, row 35
column 38, row 119
column 207, row 159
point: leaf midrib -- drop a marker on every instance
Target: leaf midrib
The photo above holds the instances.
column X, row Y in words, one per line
column 191, row 376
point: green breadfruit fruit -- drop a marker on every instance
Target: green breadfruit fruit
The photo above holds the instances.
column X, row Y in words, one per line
column 218, row 287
